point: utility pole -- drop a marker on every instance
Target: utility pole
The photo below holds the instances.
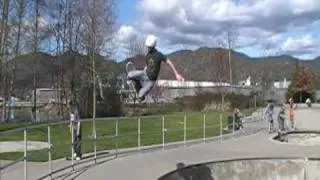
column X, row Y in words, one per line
column 230, row 64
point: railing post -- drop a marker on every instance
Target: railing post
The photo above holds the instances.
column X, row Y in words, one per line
column 139, row 131
column 49, row 152
column 163, row 133
column 25, row 155
column 117, row 122
column 221, row 127
column 0, row 171
column 72, row 146
column 233, row 123
column 95, row 144
column 261, row 116
column 204, row 127
column 305, row 169
column 185, row 129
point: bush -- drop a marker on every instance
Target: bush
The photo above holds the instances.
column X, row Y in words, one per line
column 110, row 106
column 152, row 109
column 206, row 100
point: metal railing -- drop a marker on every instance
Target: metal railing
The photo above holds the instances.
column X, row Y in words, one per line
column 120, row 136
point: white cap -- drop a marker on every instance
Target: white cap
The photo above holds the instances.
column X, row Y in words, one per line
column 151, row 41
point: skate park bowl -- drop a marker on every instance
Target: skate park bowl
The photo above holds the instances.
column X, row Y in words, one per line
column 249, row 169
column 302, row 138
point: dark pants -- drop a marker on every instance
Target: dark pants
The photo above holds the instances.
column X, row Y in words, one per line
column 77, row 142
column 281, row 123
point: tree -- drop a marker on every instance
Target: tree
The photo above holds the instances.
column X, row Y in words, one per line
column 4, row 32
column 228, row 41
column 136, row 47
column 303, row 84
column 97, row 31
column 266, row 81
column 219, row 70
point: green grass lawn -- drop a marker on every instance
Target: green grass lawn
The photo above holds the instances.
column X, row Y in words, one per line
column 150, row 127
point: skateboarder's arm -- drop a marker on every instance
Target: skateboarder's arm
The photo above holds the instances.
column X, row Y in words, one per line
column 173, row 68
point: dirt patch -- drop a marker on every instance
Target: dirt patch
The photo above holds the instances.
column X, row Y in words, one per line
column 18, row 146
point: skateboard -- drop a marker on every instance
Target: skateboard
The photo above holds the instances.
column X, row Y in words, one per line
column 134, row 86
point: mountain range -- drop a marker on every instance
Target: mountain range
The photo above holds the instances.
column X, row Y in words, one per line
column 197, row 65
column 193, row 65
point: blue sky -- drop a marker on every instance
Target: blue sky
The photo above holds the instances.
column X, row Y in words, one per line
column 286, row 27
column 126, row 11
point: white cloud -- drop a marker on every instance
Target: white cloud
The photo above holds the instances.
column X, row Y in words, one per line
column 262, row 23
column 306, row 44
column 126, row 34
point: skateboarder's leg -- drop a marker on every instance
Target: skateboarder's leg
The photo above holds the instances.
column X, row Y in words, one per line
column 136, row 75
column 147, row 86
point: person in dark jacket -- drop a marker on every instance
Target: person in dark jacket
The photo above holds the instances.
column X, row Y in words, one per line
column 281, row 118
column 75, row 128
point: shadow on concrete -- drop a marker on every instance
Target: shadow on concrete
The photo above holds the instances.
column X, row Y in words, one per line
column 267, row 168
column 197, row 172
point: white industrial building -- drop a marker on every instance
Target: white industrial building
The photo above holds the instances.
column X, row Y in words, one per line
column 188, row 84
column 281, row 84
column 198, row 84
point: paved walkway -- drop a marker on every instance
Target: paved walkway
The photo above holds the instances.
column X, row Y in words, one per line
column 151, row 165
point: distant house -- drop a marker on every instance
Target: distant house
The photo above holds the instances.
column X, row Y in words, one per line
column 281, row 84
column 45, row 95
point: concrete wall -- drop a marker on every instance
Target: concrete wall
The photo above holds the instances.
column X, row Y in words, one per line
column 275, row 94
column 279, row 94
column 250, row 170
column 179, row 92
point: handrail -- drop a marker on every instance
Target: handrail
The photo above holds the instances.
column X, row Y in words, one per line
column 60, row 122
column 115, row 152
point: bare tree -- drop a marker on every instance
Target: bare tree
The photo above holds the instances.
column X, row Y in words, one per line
column 15, row 38
column 3, row 48
column 219, row 70
column 265, row 74
column 97, row 31
column 228, row 41
column 136, row 47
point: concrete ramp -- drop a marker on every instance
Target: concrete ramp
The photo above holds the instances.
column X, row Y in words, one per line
column 250, row 169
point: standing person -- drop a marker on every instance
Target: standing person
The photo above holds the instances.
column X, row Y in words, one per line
column 144, row 80
column 291, row 113
column 281, row 118
column 269, row 114
column 75, row 128
column 308, row 102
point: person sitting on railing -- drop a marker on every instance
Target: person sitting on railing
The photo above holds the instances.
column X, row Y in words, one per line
column 238, row 119
column 235, row 120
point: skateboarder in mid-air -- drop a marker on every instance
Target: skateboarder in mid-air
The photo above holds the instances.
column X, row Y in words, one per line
column 144, row 80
